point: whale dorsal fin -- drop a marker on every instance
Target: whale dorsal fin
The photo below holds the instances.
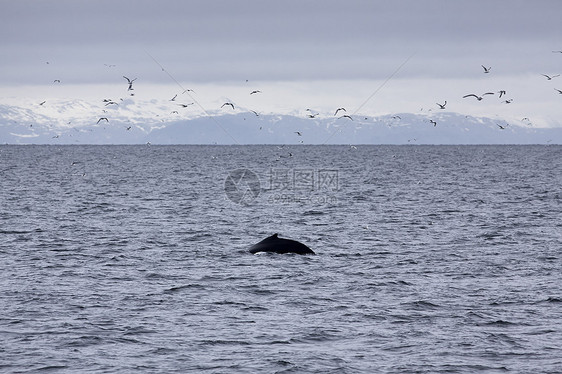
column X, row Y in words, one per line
column 274, row 236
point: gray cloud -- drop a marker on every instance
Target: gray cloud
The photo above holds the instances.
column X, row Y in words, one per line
column 225, row 40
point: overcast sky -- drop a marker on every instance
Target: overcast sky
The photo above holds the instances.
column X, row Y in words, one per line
column 431, row 50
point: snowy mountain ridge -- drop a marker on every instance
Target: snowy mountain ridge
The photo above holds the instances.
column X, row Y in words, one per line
column 129, row 121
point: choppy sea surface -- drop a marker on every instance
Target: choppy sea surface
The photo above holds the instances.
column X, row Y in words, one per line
column 429, row 259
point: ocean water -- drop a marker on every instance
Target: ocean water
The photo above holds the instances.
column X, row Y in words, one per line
column 429, row 259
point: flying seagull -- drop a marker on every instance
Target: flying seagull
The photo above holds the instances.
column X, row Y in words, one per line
column 102, row 119
column 337, row 110
column 43, row 102
column 434, row 123
column 479, row 98
column 298, row 133
column 185, row 105
column 346, row 116
column 486, row 70
column 549, row 77
column 501, row 92
column 559, row 91
column 508, row 101
column 255, row 92
column 232, row 105
column 56, row 81
column 500, row 126
column 130, row 81
column 174, row 98
column 442, row 106
column 256, row 113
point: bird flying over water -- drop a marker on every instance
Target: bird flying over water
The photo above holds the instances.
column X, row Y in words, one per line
column 230, row 104
column 549, row 77
column 102, row 119
column 43, row 102
column 185, row 105
column 346, row 116
column 174, row 98
column 559, row 91
column 255, row 92
column 486, row 70
column 500, row 126
column 298, row 133
column 442, row 106
column 479, row 98
column 501, row 92
column 433, row 122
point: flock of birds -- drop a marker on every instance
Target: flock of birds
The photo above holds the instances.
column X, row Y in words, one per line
column 500, row 93
column 339, row 113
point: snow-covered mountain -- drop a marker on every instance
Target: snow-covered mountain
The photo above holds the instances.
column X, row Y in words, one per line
column 130, row 121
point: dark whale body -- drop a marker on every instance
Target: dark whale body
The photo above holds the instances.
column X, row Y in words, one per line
column 277, row 245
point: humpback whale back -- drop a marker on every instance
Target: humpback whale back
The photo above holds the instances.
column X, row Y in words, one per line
column 278, row 245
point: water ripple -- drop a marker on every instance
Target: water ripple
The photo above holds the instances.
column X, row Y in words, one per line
column 430, row 260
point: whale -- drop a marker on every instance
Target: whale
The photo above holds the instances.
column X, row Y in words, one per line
column 275, row 244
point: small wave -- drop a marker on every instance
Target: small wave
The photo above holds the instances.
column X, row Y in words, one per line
column 138, row 330
column 313, row 213
column 224, row 342
column 499, row 322
column 255, row 309
column 162, row 351
column 318, row 336
column 422, row 305
column 126, row 340
column 396, row 283
column 85, row 341
column 52, row 368
column 180, row 288
column 490, row 235
column 449, row 368
column 156, row 276
column 8, row 232
column 550, row 299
